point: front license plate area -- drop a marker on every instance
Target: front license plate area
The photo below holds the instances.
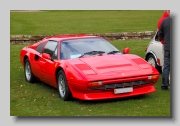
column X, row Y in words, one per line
column 123, row 90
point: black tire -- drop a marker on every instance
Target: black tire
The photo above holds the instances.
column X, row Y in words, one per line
column 27, row 72
column 151, row 60
column 63, row 89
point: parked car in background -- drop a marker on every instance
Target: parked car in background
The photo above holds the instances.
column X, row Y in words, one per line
column 154, row 53
column 87, row 68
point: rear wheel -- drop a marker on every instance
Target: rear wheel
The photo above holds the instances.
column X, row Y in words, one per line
column 63, row 88
column 28, row 73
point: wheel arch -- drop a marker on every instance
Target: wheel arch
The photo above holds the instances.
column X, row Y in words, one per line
column 58, row 69
column 56, row 72
column 25, row 57
column 69, row 89
column 159, row 68
column 32, row 79
column 151, row 53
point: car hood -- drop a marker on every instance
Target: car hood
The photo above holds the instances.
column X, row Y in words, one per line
column 112, row 65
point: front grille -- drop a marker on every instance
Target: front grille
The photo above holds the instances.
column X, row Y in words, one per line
column 121, row 85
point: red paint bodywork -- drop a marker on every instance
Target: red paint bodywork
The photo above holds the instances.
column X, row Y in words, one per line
column 110, row 69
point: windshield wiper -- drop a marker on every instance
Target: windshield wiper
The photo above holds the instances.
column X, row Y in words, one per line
column 112, row 52
column 92, row 53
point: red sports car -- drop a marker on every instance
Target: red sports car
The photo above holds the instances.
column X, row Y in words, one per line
column 87, row 67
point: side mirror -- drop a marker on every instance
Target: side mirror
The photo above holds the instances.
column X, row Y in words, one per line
column 46, row 56
column 126, row 50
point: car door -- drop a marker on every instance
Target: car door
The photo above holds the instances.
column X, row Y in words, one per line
column 48, row 66
column 36, row 60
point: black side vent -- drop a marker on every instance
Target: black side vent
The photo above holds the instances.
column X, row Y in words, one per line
column 36, row 57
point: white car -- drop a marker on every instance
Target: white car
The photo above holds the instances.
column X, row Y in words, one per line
column 154, row 53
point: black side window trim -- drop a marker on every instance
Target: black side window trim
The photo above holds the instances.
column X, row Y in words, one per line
column 54, row 53
column 48, row 49
column 40, row 47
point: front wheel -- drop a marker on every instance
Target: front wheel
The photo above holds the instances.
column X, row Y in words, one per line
column 63, row 88
column 151, row 60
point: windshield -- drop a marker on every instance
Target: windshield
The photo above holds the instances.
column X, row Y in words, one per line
column 77, row 48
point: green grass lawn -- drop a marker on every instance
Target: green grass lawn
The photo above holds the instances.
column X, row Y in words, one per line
column 42, row 100
column 85, row 21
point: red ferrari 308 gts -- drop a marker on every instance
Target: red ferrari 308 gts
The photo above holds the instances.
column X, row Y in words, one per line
column 87, row 68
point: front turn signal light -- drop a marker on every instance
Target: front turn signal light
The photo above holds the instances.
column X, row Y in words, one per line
column 153, row 77
column 95, row 84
